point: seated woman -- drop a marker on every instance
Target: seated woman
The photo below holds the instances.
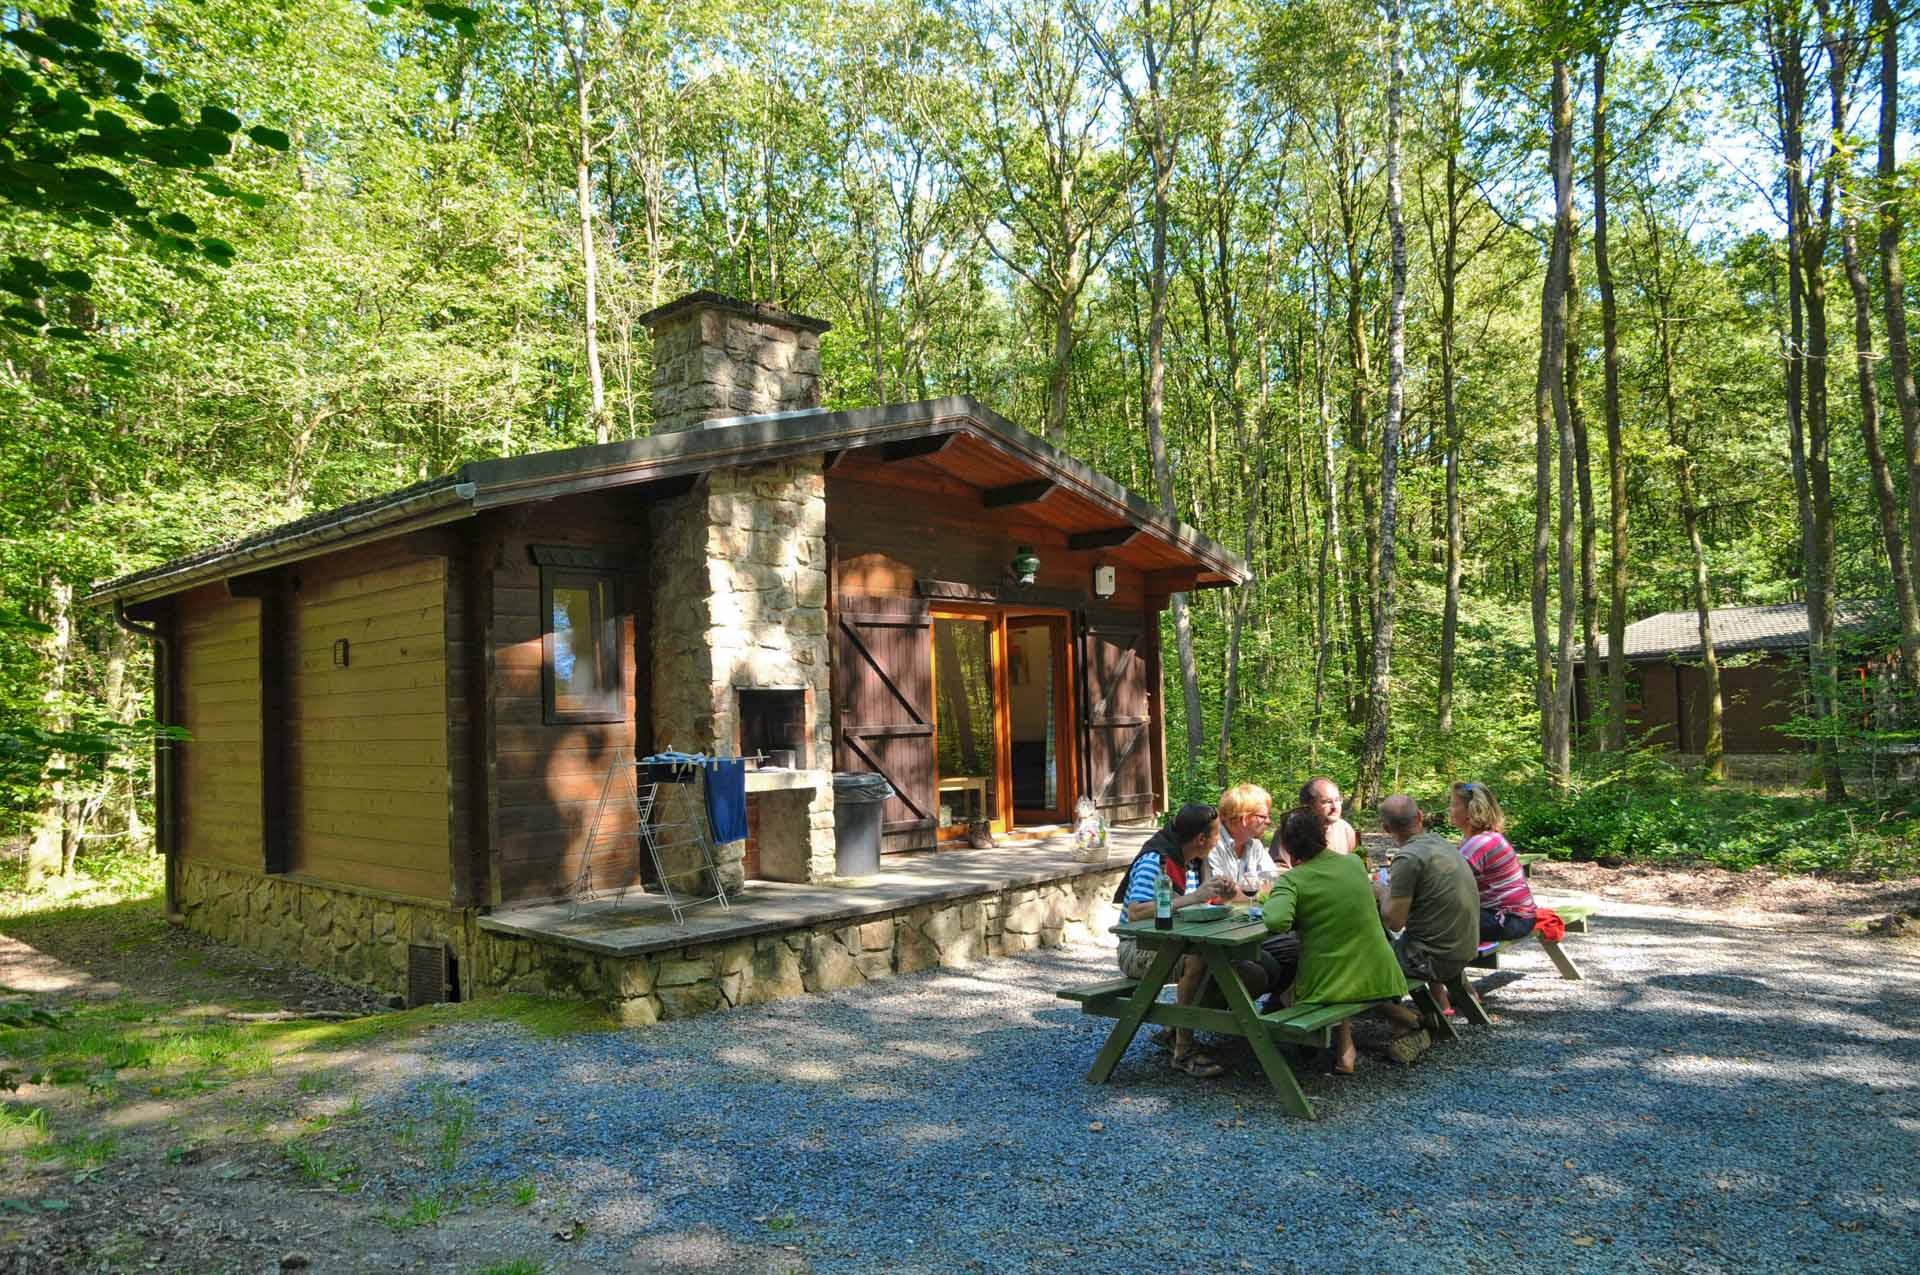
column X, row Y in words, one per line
column 1240, row 856
column 1186, row 840
column 1507, row 909
column 1344, row 956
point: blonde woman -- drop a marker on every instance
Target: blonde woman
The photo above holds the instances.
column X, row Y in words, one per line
column 1507, row 909
column 1240, row 856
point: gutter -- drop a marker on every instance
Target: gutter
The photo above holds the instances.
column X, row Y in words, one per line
column 426, row 509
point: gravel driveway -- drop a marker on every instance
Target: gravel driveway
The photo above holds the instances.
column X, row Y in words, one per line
column 1713, row 1097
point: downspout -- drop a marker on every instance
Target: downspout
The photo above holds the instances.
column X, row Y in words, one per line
column 163, row 757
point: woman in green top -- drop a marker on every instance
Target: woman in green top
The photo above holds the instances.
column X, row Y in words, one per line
column 1344, row 954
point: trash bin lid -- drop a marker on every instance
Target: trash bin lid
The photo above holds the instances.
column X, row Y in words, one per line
column 861, row 786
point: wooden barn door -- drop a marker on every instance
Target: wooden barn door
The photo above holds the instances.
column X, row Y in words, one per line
column 1116, row 721
column 885, row 692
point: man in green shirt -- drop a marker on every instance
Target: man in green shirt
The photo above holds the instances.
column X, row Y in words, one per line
column 1430, row 897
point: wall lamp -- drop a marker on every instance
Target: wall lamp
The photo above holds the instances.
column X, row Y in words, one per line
column 1025, row 567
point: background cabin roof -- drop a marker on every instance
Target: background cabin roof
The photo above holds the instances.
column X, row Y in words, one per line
column 958, row 437
column 1676, row 634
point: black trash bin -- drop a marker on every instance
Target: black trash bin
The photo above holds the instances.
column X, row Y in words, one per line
column 858, row 799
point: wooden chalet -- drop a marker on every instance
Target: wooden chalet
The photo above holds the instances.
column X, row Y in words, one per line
column 1763, row 675
column 404, row 712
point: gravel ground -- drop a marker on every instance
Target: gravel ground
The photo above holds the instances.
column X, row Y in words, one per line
column 1712, row 1097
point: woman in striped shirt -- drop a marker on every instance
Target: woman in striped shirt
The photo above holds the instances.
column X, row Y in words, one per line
column 1507, row 910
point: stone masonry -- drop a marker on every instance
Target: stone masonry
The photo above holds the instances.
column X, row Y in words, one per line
column 740, row 600
column 362, row 938
column 682, row 982
column 740, row 564
column 716, row 356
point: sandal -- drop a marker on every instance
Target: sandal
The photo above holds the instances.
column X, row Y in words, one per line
column 1404, row 1049
column 1198, row 1065
column 1162, row 1036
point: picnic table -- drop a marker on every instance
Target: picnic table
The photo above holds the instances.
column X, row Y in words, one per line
column 1218, row 943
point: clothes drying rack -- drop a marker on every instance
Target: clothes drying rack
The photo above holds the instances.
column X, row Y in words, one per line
column 668, row 798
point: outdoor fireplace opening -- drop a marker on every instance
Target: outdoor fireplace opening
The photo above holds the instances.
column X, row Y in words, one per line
column 773, row 725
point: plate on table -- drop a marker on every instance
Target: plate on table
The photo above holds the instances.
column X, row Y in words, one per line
column 1206, row 912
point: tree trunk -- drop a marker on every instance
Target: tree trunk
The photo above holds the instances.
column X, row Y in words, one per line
column 583, row 196
column 1374, row 752
column 1449, row 399
column 1893, row 282
column 1617, row 547
column 1819, row 464
column 46, row 850
column 1154, row 412
column 1884, row 496
column 1550, row 418
column 1713, row 747
column 1589, row 533
column 1324, row 630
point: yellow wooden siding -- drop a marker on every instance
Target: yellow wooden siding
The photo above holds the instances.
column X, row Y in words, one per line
column 367, row 744
column 219, row 652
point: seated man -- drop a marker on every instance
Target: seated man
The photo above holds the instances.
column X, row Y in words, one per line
column 1322, row 796
column 1430, row 897
column 1186, row 840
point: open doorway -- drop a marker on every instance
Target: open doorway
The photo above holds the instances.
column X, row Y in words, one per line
column 1037, row 717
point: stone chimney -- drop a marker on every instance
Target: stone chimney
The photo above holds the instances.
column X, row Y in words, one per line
column 716, row 356
column 739, row 570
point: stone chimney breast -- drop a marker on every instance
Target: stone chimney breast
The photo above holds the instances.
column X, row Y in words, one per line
column 716, row 357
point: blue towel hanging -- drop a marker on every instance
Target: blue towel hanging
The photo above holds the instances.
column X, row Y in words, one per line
column 727, row 798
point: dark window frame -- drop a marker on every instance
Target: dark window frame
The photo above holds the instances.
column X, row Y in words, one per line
column 606, row 626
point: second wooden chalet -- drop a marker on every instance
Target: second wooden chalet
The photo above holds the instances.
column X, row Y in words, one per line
column 404, row 711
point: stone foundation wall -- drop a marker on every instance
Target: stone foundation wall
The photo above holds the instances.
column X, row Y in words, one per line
column 681, row 982
column 362, row 938
column 356, row 936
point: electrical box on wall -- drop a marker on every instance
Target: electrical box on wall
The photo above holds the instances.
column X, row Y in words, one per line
column 1103, row 582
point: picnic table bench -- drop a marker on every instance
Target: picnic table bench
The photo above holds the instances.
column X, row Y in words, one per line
column 1133, row 1002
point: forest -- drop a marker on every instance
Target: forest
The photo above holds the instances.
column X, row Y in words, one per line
column 1480, row 329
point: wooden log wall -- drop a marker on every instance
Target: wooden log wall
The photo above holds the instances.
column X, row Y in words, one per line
column 367, row 743
column 547, row 778
column 218, row 792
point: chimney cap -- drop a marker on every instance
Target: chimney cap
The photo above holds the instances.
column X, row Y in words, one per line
column 757, row 310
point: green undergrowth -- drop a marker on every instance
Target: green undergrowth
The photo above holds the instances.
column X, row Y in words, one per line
column 99, row 879
column 1651, row 816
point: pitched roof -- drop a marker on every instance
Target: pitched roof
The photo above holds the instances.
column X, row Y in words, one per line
column 994, row 456
column 1676, row 634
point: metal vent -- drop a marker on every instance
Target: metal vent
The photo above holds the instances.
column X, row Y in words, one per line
column 428, row 974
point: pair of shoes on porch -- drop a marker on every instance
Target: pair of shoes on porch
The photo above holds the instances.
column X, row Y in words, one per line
column 1404, row 1049
column 1198, row 1065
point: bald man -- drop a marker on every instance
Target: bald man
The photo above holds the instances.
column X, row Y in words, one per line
column 1431, row 895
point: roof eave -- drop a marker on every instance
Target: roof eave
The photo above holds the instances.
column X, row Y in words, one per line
column 415, row 512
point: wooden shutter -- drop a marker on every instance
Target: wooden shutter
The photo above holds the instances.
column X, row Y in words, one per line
column 885, row 687
column 1116, row 721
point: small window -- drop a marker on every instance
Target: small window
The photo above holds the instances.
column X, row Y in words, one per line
column 580, row 645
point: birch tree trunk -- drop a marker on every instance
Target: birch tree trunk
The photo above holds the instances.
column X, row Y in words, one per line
column 1374, row 751
column 583, row 198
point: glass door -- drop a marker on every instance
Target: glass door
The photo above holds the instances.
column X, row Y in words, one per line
column 967, row 716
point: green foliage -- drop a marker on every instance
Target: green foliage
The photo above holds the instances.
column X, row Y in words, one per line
column 1648, row 813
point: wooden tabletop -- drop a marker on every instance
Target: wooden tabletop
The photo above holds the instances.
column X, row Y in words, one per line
column 1225, row 932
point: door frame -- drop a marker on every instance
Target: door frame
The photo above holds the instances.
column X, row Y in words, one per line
column 1065, row 725
column 1003, row 816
